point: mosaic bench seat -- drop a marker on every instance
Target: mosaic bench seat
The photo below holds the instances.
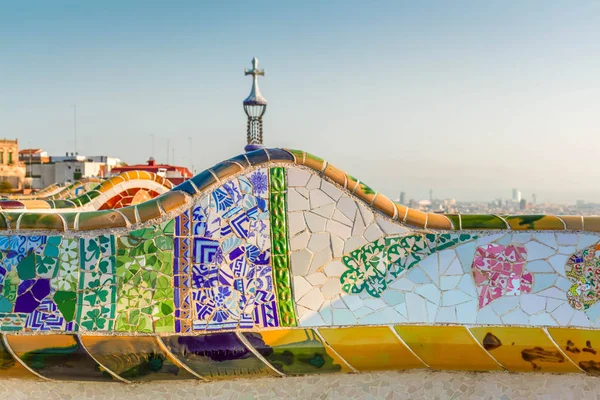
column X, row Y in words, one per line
column 276, row 263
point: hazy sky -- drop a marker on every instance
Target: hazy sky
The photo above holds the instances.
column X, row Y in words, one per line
column 470, row 98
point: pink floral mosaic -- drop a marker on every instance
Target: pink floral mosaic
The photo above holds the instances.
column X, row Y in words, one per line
column 499, row 271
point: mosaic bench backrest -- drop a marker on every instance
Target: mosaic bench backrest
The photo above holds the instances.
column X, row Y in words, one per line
column 284, row 264
column 92, row 194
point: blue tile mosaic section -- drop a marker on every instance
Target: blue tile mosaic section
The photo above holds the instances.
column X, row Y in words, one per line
column 226, row 236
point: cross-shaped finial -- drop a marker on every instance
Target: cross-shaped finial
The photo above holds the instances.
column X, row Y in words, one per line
column 255, row 98
column 255, row 71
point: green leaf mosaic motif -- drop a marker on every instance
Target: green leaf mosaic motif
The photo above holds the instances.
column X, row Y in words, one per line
column 375, row 265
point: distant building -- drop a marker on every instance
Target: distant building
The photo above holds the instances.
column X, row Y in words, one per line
column 173, row 173
column 69, row 168
column 11, row 170
column 516, row 195
column 523, row 204
column 27, row 156
column 403, row 198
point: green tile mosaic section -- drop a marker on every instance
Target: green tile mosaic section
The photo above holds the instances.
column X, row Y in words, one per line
column 144, row 280
column 280, row 247
column 375, row 265
column 97, row 283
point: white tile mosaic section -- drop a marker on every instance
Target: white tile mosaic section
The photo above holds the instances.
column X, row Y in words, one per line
column 441, row 289
column 324, row 224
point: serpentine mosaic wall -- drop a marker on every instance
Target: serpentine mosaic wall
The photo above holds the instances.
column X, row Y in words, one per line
column 132, row 187
column 276, row 263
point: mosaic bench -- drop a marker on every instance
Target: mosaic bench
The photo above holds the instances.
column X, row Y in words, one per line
column 93, row 194
column 276, row 263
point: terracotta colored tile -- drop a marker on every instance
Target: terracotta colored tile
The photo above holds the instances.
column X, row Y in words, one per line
column 438, row 221
column 385, row 205
column 33, row 221
column 172, row 200
column 572, row 222
column 314, row 162
column 352, row 183
column 100, row 220
column 365, row 193
column 335, row 174
column 482, row 221
column 148, row 210
column 402, row 210
column 416, row 218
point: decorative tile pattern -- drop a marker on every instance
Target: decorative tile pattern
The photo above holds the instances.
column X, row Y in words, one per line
column 144, row 280
column 375, row 265
column 96, row 297
column 228, row 281
column 583, row 269
column 279, row 238
column 499, row 270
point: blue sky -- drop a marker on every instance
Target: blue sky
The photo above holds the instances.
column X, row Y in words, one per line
column 470, row 98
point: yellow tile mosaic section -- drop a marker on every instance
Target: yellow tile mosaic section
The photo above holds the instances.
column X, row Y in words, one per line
column 523, row 349
column 447, row 348
column 371, row 348
column 581, row 346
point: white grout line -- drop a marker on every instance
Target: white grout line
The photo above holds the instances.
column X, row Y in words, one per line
column 257, row 354
column 545, row 329
column 316, row 331
column 18, row 359
column 178, row 361
column 113, row 374
column 407, row 346
column 483, row 348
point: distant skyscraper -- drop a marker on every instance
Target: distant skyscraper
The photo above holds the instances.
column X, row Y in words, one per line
column 516, row 195
column 402, row 198
column 534, row 198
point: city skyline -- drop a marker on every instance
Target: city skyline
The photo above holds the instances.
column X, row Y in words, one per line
column 482, row 97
